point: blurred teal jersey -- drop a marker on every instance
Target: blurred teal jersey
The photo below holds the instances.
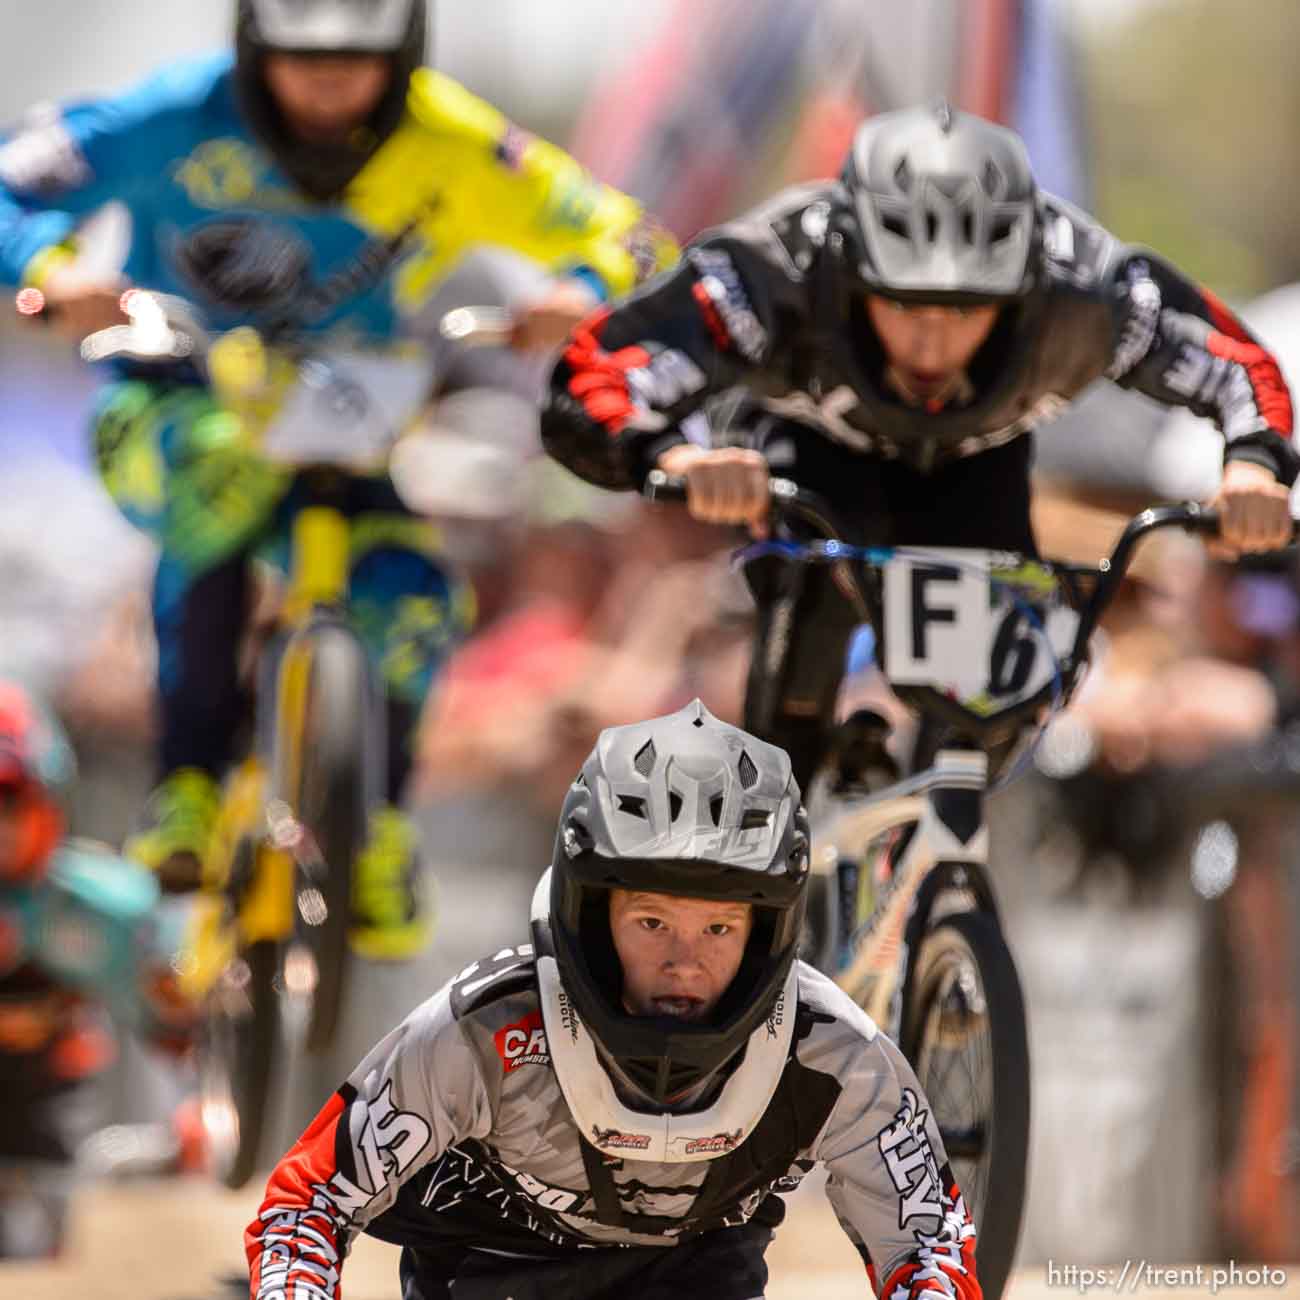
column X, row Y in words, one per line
column 87, row 928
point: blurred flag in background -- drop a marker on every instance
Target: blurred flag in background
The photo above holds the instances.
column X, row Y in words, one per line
column 748, row 93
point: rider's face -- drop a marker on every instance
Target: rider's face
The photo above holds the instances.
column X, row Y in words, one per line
column 927, row 344
column 678, row 954
column 326, row 96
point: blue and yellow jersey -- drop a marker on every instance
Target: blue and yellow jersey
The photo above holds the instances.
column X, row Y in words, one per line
column 178, row 154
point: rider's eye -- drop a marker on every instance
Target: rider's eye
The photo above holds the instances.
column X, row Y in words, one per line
column 719, row 928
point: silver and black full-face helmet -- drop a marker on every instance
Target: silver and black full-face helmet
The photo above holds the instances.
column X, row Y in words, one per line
column 686, row 805
column 943, row 207
column 396, row 28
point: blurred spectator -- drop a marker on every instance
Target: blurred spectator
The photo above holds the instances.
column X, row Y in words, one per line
column 602, row 627
column 1200, row 659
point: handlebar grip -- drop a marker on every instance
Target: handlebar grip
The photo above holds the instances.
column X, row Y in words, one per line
column 478, row 327
column 664, row 487
column 1204, row 520
column 667, row 487
column 1207, row 521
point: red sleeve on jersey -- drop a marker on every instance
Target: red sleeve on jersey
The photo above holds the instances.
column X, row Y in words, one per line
column 1233, row 343
column 943, row 1265
column 297, row 1231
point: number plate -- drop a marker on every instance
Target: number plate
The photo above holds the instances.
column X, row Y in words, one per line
column 347, row 408
column 982, row 628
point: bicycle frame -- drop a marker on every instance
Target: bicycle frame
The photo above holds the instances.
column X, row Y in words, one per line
column 942, row 869
column 248, row 879
column 945, row 865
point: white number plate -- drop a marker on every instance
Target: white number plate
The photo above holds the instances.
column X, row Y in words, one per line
column 347, row 408
column 977, row 626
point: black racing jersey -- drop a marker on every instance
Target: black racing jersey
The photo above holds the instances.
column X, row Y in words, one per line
column 765, row 303
column 454, row 1131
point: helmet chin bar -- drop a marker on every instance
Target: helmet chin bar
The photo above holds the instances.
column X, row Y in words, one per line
column 616, row 1129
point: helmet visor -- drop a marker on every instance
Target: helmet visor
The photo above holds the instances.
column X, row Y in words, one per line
column 332, row 26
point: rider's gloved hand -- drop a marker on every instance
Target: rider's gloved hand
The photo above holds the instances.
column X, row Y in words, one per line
column 79, row 302
column 726, row 485
column 548, row 321
column 1253, row 508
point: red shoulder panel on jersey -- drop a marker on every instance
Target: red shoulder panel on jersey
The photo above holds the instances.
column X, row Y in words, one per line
column 1233, row 343
column 598, row 379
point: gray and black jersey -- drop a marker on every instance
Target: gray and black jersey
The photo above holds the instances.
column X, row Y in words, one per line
column 453, row 1135
column 767, row 304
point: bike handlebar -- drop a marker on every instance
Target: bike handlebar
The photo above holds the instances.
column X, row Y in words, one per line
column 790, row 501
column 472, row 327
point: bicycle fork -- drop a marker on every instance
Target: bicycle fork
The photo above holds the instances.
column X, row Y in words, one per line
column 942, row 869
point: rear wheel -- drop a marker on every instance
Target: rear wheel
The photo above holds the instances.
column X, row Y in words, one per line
column 237, row 1053
column 322, row 780
column 964, row 1033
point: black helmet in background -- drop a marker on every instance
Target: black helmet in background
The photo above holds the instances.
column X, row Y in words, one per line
column 396, row 28
column 944, row 208
column 684, row 805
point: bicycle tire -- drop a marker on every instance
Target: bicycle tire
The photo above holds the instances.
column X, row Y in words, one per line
column 987, row 1140
column 330, row 801
column 238, row 1050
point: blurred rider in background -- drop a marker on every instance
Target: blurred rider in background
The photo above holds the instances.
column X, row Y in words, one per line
column 899, row 333
column 320, row 176
column 78, row 936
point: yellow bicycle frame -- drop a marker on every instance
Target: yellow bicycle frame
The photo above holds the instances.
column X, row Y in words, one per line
column 318, row 575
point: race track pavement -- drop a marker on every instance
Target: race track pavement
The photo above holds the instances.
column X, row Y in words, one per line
column 176, row 1240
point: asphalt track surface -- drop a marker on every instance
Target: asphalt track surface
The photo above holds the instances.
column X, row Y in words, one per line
column 177, row 1240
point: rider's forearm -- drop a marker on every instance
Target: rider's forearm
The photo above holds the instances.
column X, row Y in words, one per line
column 595, row 422
column 62, row 165
column 890, row 1183
column 32, row 244
column 1181, row 345
column 416, row 1094
column 631, row 375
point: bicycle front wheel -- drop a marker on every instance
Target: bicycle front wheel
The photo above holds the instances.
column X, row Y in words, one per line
column 321, row 774
column 964, row 1033
column 237, row 1052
